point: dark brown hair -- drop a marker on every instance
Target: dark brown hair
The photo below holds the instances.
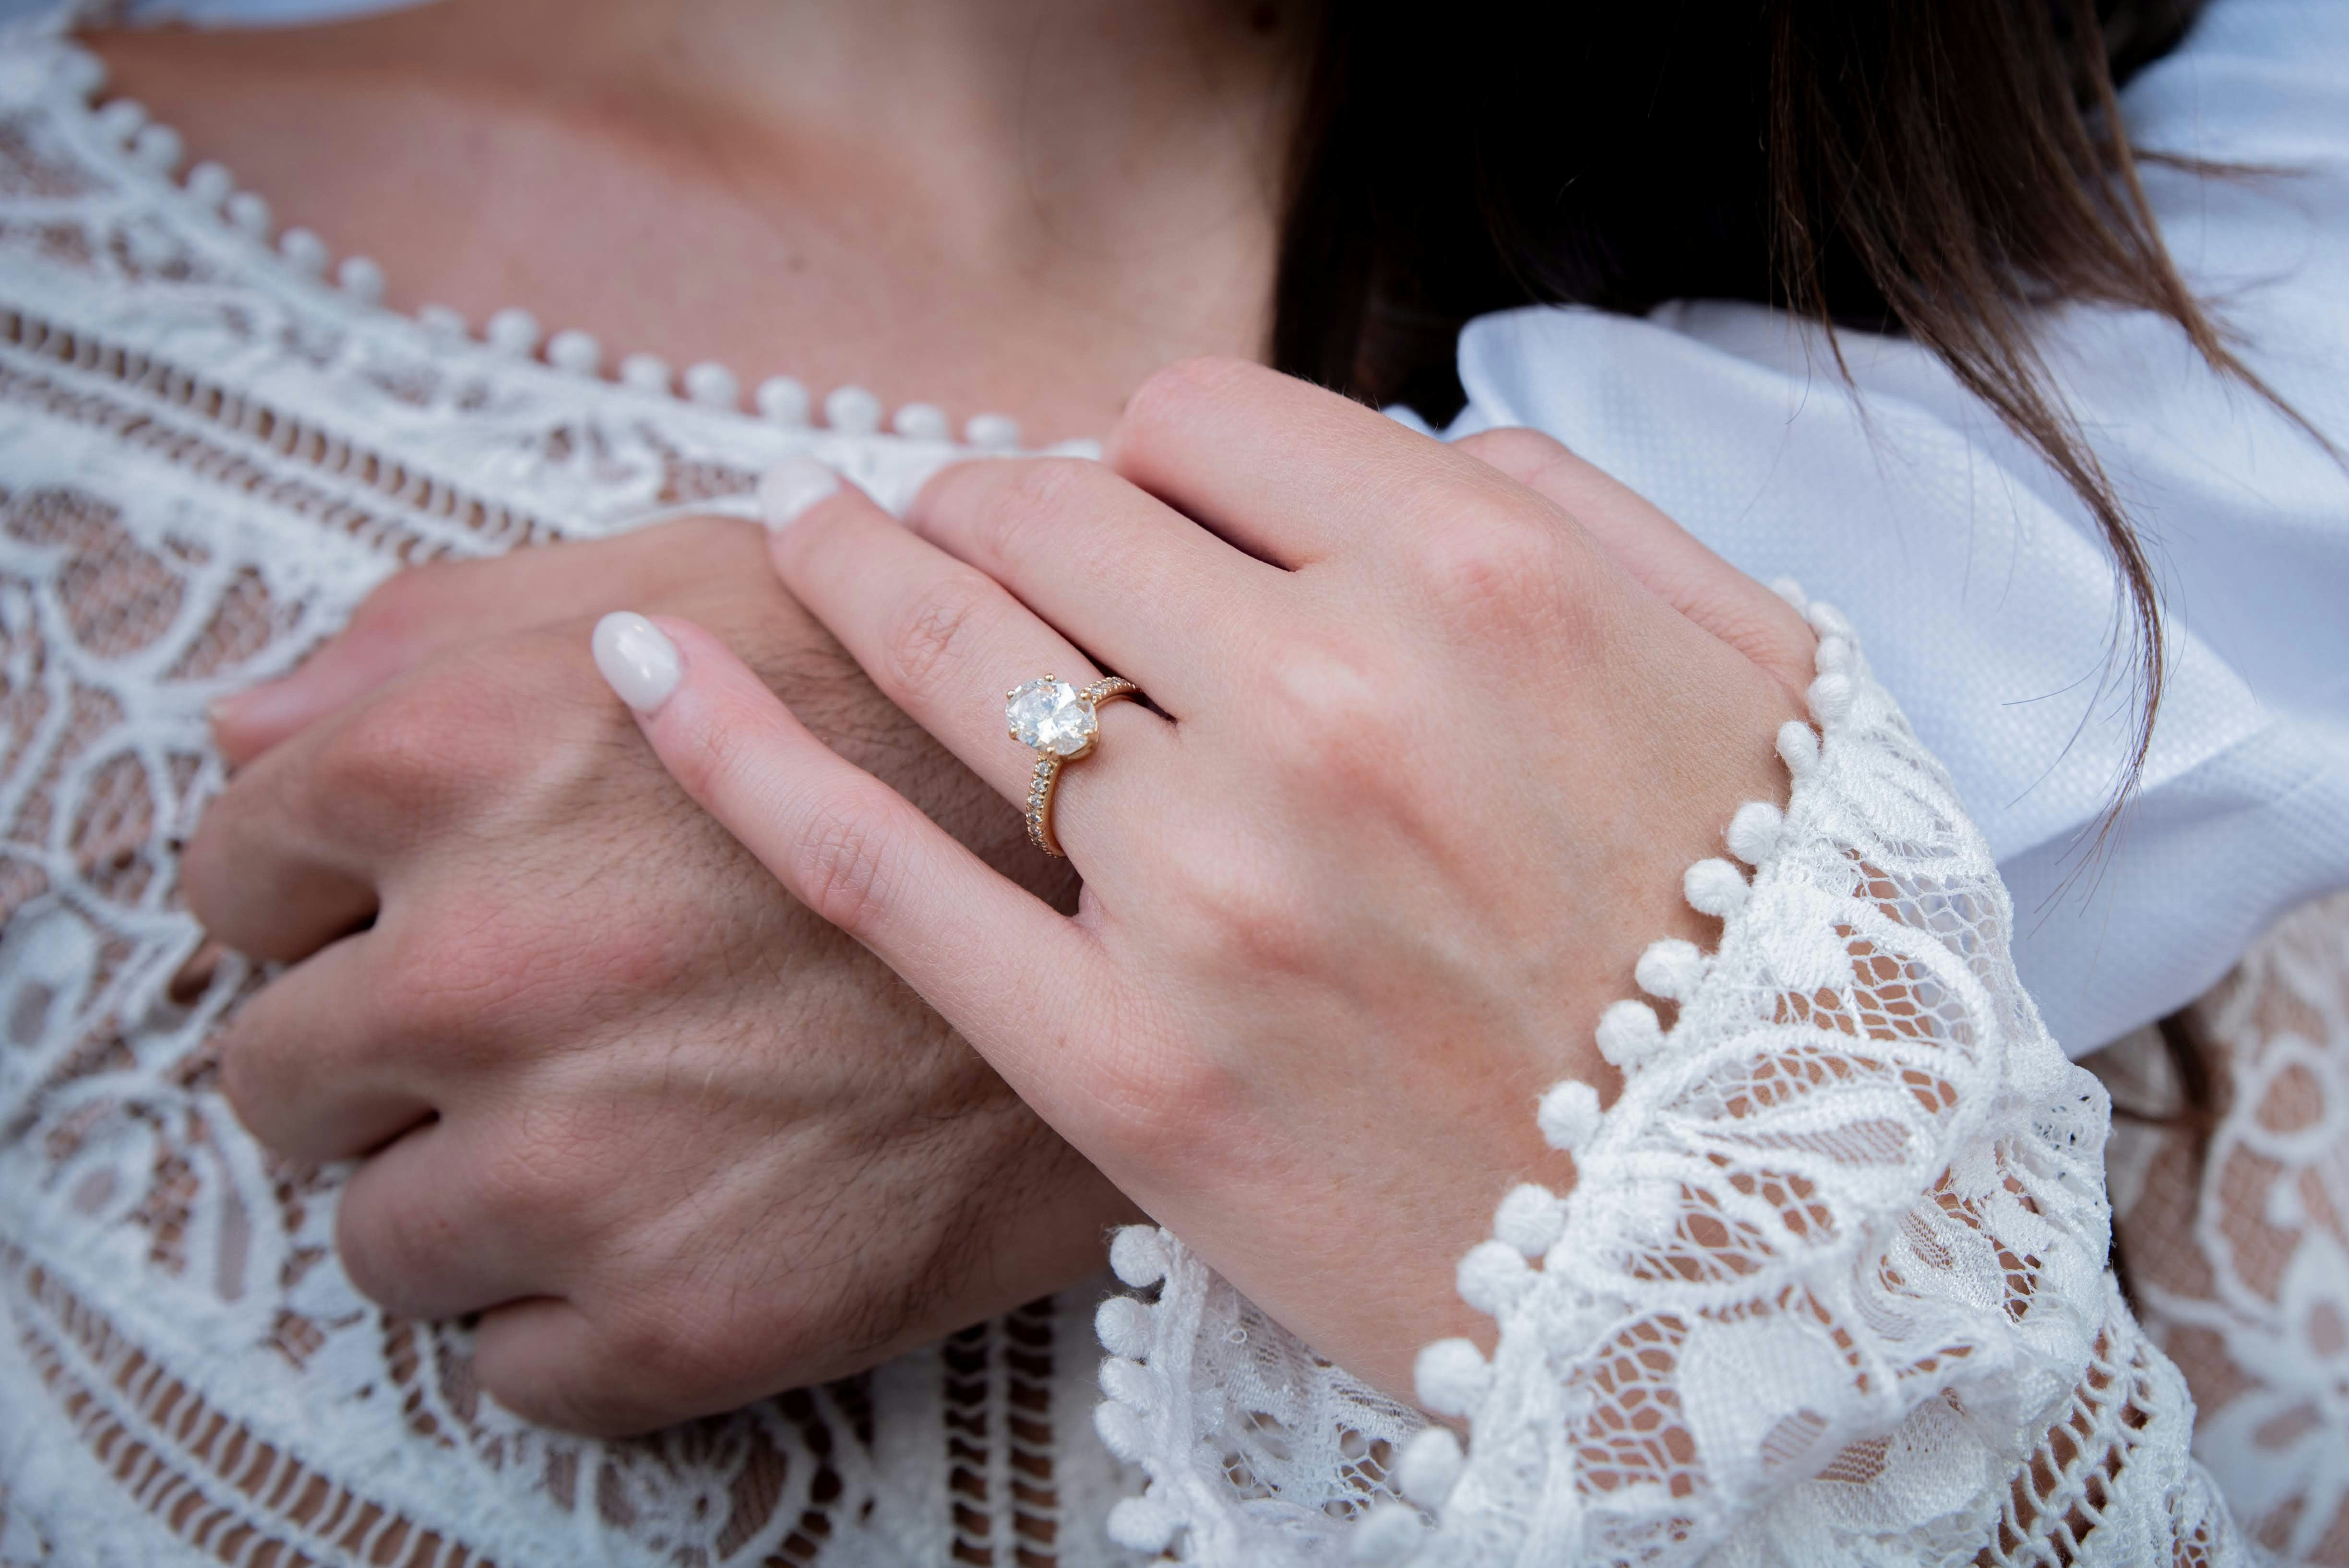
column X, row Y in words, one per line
column 1934, row 168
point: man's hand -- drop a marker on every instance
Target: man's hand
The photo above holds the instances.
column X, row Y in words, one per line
column 1428, row 758
column 681, row 1143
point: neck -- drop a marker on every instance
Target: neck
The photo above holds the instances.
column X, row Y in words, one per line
column 1017, row 204
column 1019, row 125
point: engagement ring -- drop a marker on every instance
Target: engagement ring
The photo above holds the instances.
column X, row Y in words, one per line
column 1061, row 723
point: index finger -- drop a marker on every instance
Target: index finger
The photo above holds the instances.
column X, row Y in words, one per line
column 1011, row 975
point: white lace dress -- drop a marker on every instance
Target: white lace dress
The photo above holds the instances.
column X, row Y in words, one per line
column 1831, row 1287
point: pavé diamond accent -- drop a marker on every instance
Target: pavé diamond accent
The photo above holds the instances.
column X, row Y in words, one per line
column 1057, row 722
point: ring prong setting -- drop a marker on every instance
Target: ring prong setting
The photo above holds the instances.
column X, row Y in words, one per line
column 1061, row 724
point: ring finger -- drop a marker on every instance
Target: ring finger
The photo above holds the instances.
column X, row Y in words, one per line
column 1164, row 600
column 305, row 1065
column 945, row 643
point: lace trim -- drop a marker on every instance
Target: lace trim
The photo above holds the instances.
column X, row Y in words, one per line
column 999, row 1388
column 1830, row 1287
column 2234, row 1222
column 236, row 1496
column 194, row 1467
column 115, row 1135
column 154, row 150
column 203, row 468
column 357, row 474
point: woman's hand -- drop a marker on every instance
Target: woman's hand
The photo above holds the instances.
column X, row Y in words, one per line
column 1431, row 751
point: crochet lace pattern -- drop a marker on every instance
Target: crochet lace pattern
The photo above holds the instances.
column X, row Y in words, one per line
column 1830, row 1287
column 212, row 445
column 2235, row 1223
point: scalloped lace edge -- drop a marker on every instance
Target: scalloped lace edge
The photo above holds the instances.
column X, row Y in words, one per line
column 1972, row 1386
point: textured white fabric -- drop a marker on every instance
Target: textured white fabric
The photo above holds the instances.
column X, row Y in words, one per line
column 207, row 458
column 1830, row 1287
column 2239, row 1240
column 1987, row 600
column 1986, row 597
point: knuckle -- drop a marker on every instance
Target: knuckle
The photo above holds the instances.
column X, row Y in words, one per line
column 1226, row 914
column 277, row 1077
column 395, row 605
column 1522, row 454
column 728, row 755
column 1491, row 565
column 569, row 1402
column 247, row 1081
column 1027, row 508
column 1757, row 624
column 1173, row 393
column 1335, row 712
column 591, row 1399
column 360, row 1245
column 1249, row 922
column 1166, row 1107
column 1263, row 934
column 933, row 628
column 448, row 977
column 453, row 734
column 387, row 1245
column 401, row 753
column 845, row 861
column 669, row 1356
column 718, row 754
column 539, row 1176
column 208, row 878
column 592, row 1392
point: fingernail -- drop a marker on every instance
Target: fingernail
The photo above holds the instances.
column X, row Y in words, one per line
column 265, row 715
column 792, row 486
column 637, row 659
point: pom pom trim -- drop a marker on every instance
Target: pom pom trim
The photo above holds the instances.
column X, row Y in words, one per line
column 1451, row 1377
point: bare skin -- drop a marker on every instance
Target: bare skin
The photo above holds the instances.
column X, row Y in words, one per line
column 680, row 1143
column 677, row 1140
column 1016, row 205
column 823, row 1174
column 1432, row 730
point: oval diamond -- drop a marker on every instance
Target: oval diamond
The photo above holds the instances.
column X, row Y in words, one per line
column 1050, row 715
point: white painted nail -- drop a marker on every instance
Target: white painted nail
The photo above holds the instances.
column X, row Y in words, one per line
column 637, row 659
column 792, row 486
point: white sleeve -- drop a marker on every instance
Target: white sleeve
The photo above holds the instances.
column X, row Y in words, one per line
column 1986, row 593
column 1830, row 1287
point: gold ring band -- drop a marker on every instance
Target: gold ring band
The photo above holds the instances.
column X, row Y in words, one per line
column 1059, row 721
